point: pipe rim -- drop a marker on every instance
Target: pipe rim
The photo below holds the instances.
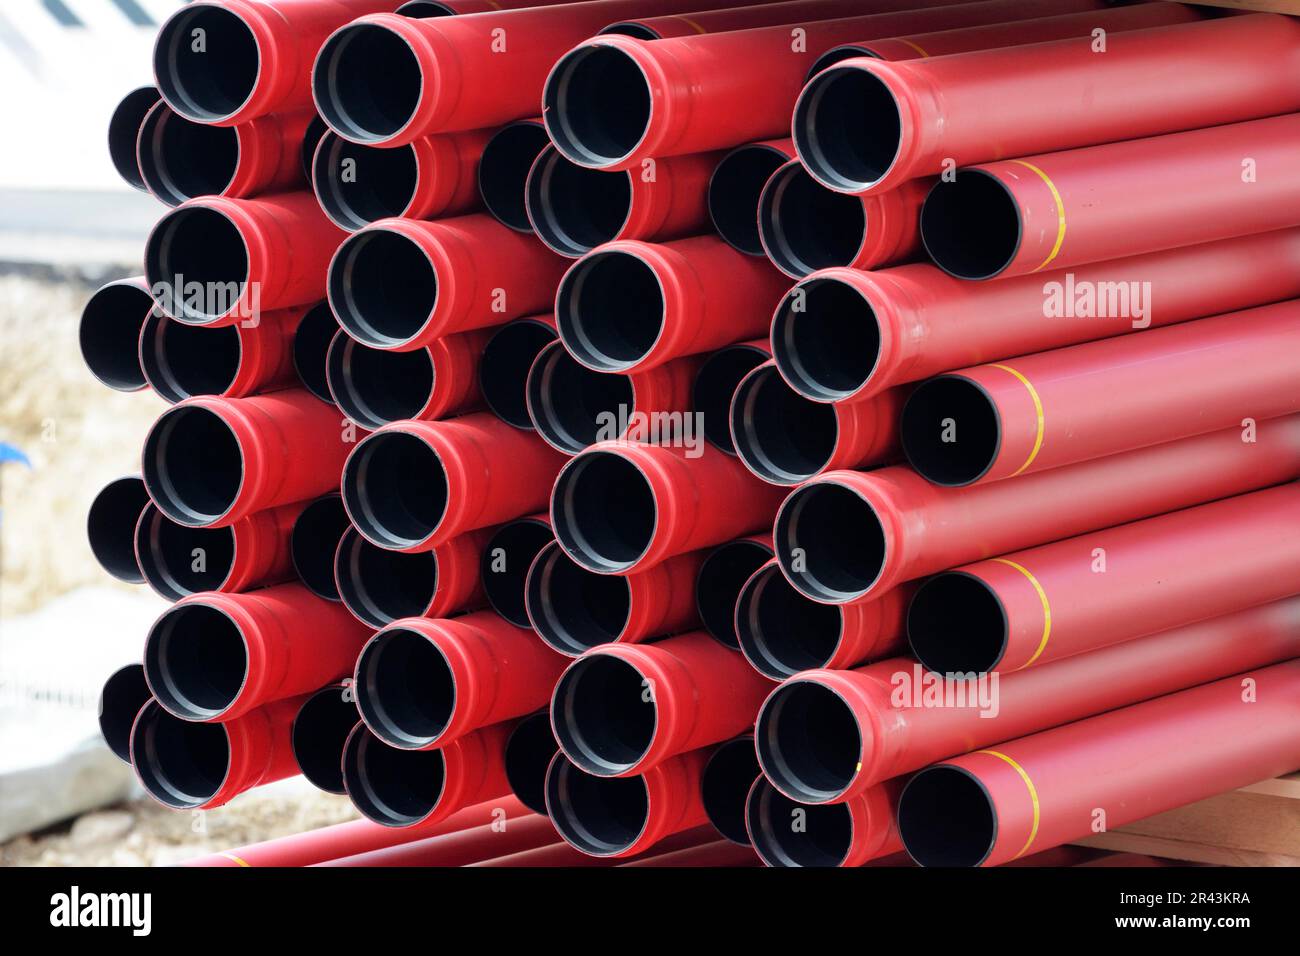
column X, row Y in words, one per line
column 162, row 484
column 109, row 342
column 724, row 572
column 359, row 564
column 159, row 252
column 164, row 748
column 181, row 93
column 160, row 572
column 525, row 772
column 947, row 252
column 781, row 846
column 405, row 688
column 561, row 393
column 838, row 54
column 841, row 165
column 778, row 659
column 311, row 342
column 731, row 761
column 798, row 332
column 376, row 387
column 715, row 383
column 503, row 178
column 559, row 118
column 777, row 431
column 175, row 170
column 950, row 398
column 354, row 205
column 628, row 346
column 610, row 556
column 833, row 582
column 570, row 227
column 123, row 695
column 505, row 362
column 562, row 632
column 361, row 324
column 796, row 213
column 341, row 111
column 930, row 837
column 179, row 360
column 570, row 794
column 597, row 738
column 740, row 231
column 985, row 625
column 389, row 786
column 124, row 130
column 506, row 590
column 796, row 727
column 313, row 546
column 196, row 696
column 110, row 527
column 322, row 716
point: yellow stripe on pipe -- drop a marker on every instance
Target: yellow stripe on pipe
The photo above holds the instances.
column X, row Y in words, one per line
column 1047, row 608
column 1033, row 796
column 1060, row 213
column 1038, row 410
column 231, row 856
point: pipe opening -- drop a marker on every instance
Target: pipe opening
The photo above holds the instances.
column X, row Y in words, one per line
column 380, row 586
column 603, row 720
column 528, row 753
column 782, row 632
column 725, row 785
column 109, row 334
column 178, row 560
column 124, row 131
column 835, row 55
column 632, row 29
column 804, row 226
column 395, row 489
column 319, row 733
column 570, row 405
column 734, row 191
column 575, row 209
column 610, row 310
column 182, row 764
column 206, row 83
column 503, row 171
column 406, row 691
column 110, row 527
column 951, row 431
column 503, row 369
column 124, row 693
column 602, row 816
column 314, row 541
column 971, row 226
column 848, row 128
column 597, row 105
column 947, row 818
column 715, row 384
column 392, row 787
column 830, row 542
column 311, row 343
column 193, row 465
column 824, row 839
column 718, row 584
column 826, row 340
column 782, row 437
column 182, row 360
column 197, row 264
column 424, row 10
column 382, row 287
column 956, row 625
column 180, row 159
column 374, row 387
column 604, row 512
column 316, row 131
column 572, row 608
column 368, row 82
column 380, row 184
column 808, row 741
column 505, row 563
column 196, row 661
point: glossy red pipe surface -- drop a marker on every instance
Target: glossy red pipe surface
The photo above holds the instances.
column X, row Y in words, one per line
column 727, row 20
column 847, row 534
column 563, row 854
column 471, row 845
column 893, row 717
column 1073, row 404
column 993, row 806
column 719, row 853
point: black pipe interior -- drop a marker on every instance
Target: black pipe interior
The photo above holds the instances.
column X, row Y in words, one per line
column 124, row 130
column 956, row 625
column 830, row 542
column 808, row 741
column 110, row 527
column 806, row 226
column 605, row 512
column 574, row 208
column 783, row 631
column 630, row 28
column 826, row 339
column 566, row 400
column 178, row 560
column 424, row 10
column 311, row 344
column 574, row 609
column 602, row 716
column 395, row 489
column 389, row 786
column 715, row 384
column 824, row 839
column 725, row 784
column 109, row 334
column 503, row 369
column 597, row 102
column 124, row 693
column 947, row 818
column 380, row 182
column 380, row 586
column 376, row 386
column 383, row 287
column 505, row 563
column 181, row 360
column 313, row 542
column 181, row 763
column 734, row 190
column 206, row 81
column 971, row 225
column 368, row 82
column 950, row 430
column 319, row 732
column 848, row 128
column 503, row 171
column 180, row 159
column 193, row 465
column 405, row 688
column 602, row 816
column 528, row 753
column 197, row 249
column 781, row 435
column 196, row 661
column 717, row 585
column 835, row 55
column 610, row 310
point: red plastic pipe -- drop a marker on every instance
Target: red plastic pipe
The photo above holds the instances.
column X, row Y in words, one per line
column 456, row 274
column 424, row 9
column 848, row 534
column 803, row 226
column 562, row 854
column 379, row 586
column 180, row 159
column 351, row 838
column 574, row 609
column 180, row 361
column 507, row 557
column 214, row 657
column 124, row 131
column 503, row 171
column 786, row 439
column 210, row 461
column 110, row 324
column 218, row 261
column 120, row 700
column 992, row 806
column 846, row 335
column 721, row 577
column 719, row 853
column 630, row 305
column 320, row 729
column 1066, row 209
column 426, row 179
column 782, row 632
column 417, row 790
column 422, row 684
column 1077, row 595
column 748, row 17
column 894, row 717
column 110, row 527
column 1074, row 404
column 177, row 560
column 503, row 367
column 229, row 61
column 844, row 834
column 613, row 101
column 574, row 209
column 621, row 817
column 376, row 387
column 670, row 500
column 736, row 186
column 621, row 709
column 1071, row 92
column 573, row 407
column 412, row 485
column 200, row 766
column 472, row 845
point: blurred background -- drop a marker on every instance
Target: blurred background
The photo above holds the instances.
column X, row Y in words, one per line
column 67, row 225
